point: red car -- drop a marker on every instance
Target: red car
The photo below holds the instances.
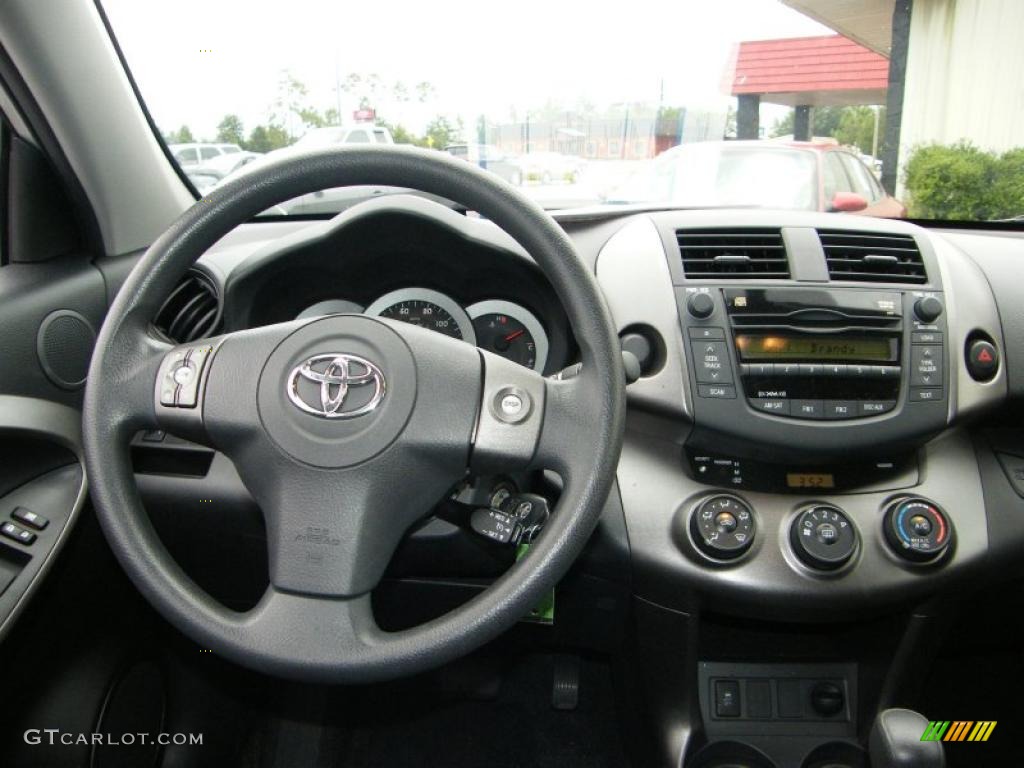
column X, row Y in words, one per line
column 803, row 175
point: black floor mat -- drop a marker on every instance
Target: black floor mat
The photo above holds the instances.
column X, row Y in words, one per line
column 425, row 725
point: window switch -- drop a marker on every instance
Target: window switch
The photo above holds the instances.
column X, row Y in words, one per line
column 17, row 533
column 727, row 698
column 30, row 518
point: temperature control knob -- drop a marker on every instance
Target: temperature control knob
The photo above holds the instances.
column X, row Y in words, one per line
column 917, row 529
column 823, row 537
column 723, row 527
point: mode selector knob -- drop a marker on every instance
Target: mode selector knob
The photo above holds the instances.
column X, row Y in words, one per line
column 722, row 527
column 823, row 537
column 700, row 305
column 917, row 529
column 928, row 309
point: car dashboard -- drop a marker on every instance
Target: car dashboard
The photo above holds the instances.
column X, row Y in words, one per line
column 818, row 436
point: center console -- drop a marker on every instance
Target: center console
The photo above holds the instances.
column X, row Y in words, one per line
column 797, row 478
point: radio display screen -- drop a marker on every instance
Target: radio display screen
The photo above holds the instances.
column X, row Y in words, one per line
column 773, row 347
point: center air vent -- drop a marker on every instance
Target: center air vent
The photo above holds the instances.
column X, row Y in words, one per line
column 757, row 254
column 872, row 257
column 192, row 312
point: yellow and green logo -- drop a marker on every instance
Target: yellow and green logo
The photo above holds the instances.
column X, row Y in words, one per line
column 958, row 730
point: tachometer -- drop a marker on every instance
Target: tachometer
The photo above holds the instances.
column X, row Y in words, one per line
column 511, row 331
column 427, row 309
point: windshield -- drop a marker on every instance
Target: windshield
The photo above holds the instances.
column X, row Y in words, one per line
column 879, row 108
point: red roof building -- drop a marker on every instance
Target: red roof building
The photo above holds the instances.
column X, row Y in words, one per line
column 810, row 71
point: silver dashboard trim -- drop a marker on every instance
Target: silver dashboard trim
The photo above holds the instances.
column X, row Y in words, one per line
column 632, row 270
column 965, row 286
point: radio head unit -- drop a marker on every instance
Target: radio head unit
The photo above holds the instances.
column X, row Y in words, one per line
column 768, row 360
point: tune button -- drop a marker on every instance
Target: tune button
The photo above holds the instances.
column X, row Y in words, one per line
column 722, row 527
column 823, row 537
column 917, row 529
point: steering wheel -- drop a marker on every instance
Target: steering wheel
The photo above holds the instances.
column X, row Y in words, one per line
column 346, row 430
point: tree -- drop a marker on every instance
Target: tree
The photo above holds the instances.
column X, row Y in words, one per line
column 265, row 138
column 181, row 136
column 857, row 128
column 231, row 131
column 441, row 132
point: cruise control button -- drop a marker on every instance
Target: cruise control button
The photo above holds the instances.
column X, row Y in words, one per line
column 875, row 407
column 713, row 390
column 840, row 409
column 778, row 406
column 808, row 409
column 17, row 533
column 30, row 518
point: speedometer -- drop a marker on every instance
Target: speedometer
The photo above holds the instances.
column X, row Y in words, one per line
column 426, row 308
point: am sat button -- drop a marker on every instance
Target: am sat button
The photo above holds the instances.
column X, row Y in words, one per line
column 778, row 406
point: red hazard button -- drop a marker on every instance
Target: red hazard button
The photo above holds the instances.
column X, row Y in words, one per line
column 982, row 360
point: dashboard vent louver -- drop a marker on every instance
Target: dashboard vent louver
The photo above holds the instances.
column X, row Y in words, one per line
column 872, row 257
column 725, row 254
column 192, row 311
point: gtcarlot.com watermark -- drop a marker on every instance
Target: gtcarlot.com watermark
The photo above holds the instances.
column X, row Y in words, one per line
column 55, row 736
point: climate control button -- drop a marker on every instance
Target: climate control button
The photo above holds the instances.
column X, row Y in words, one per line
column 823, row 537
column 723, row 527
column 917, row 529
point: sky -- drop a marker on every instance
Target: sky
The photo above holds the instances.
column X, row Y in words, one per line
column 196, row 60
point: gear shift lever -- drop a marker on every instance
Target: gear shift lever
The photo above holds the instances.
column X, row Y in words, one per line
column 895, row 742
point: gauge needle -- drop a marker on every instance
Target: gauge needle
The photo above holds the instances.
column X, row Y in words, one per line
column 515, row 335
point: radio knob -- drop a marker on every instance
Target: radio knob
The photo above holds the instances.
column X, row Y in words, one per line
column 700, row 305
column 928, row 309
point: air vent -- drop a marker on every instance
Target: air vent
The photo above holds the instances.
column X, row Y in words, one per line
column 756, row 254
column 872, row 257
column 192, row 312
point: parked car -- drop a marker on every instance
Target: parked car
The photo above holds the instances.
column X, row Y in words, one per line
column 491, row 158
column 337, row 134
column 550, row 167
column 211, row 173
column 198, row 152
column 813, row 176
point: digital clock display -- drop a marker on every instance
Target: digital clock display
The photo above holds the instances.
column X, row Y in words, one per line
column 810, row 348
column 810, row 480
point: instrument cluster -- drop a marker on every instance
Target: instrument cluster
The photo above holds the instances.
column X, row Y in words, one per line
column 502, row 327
